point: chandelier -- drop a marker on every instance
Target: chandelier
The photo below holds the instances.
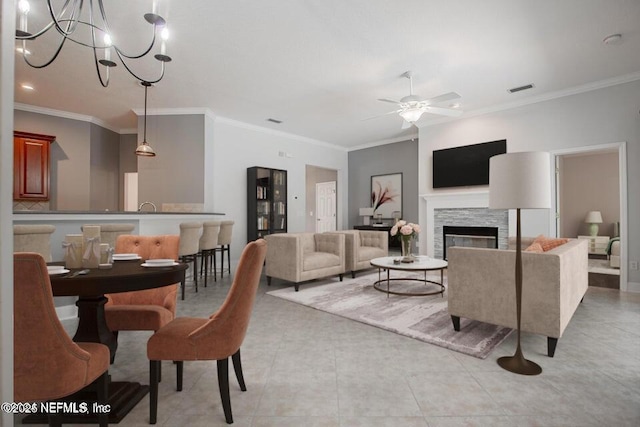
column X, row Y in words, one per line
column 90, row 28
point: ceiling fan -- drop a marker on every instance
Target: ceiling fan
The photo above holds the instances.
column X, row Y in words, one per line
column 412, row 106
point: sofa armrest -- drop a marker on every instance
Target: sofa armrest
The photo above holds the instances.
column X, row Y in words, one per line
column 284, row 256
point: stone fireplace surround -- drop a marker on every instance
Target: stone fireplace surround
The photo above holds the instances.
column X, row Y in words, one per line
column 470, row 207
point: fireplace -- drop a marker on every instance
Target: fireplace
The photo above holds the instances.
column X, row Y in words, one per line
column 476, row 237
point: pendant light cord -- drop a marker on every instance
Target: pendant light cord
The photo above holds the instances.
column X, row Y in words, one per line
column 144, row 139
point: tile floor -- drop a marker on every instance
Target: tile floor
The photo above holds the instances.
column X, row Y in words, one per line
column 304, row 367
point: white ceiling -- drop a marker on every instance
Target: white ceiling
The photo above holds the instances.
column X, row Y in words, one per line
column 319, row 66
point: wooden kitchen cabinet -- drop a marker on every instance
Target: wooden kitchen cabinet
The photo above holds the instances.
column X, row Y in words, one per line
column 31, row 166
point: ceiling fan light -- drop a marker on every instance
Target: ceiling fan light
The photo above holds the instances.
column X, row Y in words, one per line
column 412, row 114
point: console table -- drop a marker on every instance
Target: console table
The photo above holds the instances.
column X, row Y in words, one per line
column 394, row 242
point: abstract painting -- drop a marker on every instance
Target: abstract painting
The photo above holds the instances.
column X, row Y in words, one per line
column 386, row 195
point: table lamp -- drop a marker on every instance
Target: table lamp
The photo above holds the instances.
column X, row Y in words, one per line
column 366, row 214
column 593, row 218
column 519, row 181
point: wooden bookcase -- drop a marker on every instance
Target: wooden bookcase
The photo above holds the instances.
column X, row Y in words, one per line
column 266, row 202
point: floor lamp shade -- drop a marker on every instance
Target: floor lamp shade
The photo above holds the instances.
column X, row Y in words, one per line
column 519, row 181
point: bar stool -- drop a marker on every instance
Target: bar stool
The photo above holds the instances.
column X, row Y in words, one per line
column 224, row 244
column 189, row 246
column 208, row 243
column 33, row 238
column 109, row 232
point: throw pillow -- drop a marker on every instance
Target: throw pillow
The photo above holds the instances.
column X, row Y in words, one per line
column 535, row 247
column 548, row 243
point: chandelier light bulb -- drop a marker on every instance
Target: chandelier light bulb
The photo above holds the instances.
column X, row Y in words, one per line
column 164, row 34
column 24, row 7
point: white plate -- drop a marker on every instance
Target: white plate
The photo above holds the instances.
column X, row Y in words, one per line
column 125, row 257
column 160, row 261
column 157, row 264
column 58, row 271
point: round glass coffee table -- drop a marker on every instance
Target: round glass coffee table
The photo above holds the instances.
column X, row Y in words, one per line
column 421, row 264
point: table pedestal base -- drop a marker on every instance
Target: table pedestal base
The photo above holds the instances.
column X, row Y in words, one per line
column 123, row 396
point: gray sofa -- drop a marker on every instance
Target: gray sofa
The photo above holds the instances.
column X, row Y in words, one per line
column 299, row 257
column 481, row 286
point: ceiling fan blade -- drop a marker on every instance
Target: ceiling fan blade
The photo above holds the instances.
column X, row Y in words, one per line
column 382, row 115
column 451, row 112
column 442, row 98
column 390, row 100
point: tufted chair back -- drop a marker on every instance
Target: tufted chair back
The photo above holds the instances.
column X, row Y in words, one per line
column 148, row 247
column 33, row 238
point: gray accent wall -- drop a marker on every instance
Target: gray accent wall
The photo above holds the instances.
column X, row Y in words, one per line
column 175, row 174
column 104, row 165
column 381, row 160
column 128, row 163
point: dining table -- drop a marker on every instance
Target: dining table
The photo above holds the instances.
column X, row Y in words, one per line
column 91, row 287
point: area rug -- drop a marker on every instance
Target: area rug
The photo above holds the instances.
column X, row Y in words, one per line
column 422, row 318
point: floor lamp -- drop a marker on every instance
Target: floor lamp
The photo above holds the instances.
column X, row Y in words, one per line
column 519, row 181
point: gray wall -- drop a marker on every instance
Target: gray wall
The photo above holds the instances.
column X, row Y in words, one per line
column 104, row 167
column 313, row 176
column 128, row 163
column 175, row 174
column 589, row 182
column 70, row 157
column 382, row 160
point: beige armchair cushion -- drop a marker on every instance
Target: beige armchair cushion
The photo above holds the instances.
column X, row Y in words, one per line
column 298, row 257
column 361, row 246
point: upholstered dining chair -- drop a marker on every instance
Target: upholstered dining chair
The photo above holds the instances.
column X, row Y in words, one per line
column 109, row 232
column 33, row 238
column 215, row 338
column 207, row 246
column 48, row 365
column 190, row 246
column 224, row 244
column 149, row 309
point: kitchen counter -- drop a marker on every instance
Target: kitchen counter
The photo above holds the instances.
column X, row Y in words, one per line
column 145, row 223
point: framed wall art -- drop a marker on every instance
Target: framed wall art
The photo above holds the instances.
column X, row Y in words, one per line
column 386, row 195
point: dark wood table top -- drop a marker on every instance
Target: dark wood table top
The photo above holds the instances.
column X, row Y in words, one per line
column 123, row 276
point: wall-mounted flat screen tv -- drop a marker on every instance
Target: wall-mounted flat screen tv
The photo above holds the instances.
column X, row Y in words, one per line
column 465, row 166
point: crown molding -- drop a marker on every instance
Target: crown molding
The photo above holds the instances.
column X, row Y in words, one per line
column 175, row 112
column 64, row 115
column 410, row 137
column 588, row 87
column 231, row 122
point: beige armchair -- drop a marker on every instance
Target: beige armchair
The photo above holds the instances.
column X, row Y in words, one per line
column 361, row 246
column 298, row 257
column 481, row 286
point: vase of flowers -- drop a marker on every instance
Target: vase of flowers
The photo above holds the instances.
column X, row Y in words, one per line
column 406, row 232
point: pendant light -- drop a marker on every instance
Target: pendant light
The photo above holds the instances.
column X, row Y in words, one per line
column 145, row 149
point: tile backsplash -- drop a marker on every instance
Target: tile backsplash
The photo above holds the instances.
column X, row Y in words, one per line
column 30, row 206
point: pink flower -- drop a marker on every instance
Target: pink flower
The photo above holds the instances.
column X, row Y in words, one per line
column 416, row 227
column 394, row 230
column 401, row 222
column 407, row 230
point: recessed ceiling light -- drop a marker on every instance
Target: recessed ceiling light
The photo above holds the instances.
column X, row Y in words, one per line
column 613, row 39
column 27, row 86
column 26, row 51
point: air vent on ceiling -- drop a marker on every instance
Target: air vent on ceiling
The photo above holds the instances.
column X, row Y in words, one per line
column 521, row 88
column 274, row 121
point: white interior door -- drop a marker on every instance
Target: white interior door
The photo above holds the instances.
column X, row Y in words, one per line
column 325, row 206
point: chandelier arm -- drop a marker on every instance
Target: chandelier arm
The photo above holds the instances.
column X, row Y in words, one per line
column 137, row 76
column 58, row 20
column 46, row 27
column 94, row 48
column 53, row 58
column 123, row 54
